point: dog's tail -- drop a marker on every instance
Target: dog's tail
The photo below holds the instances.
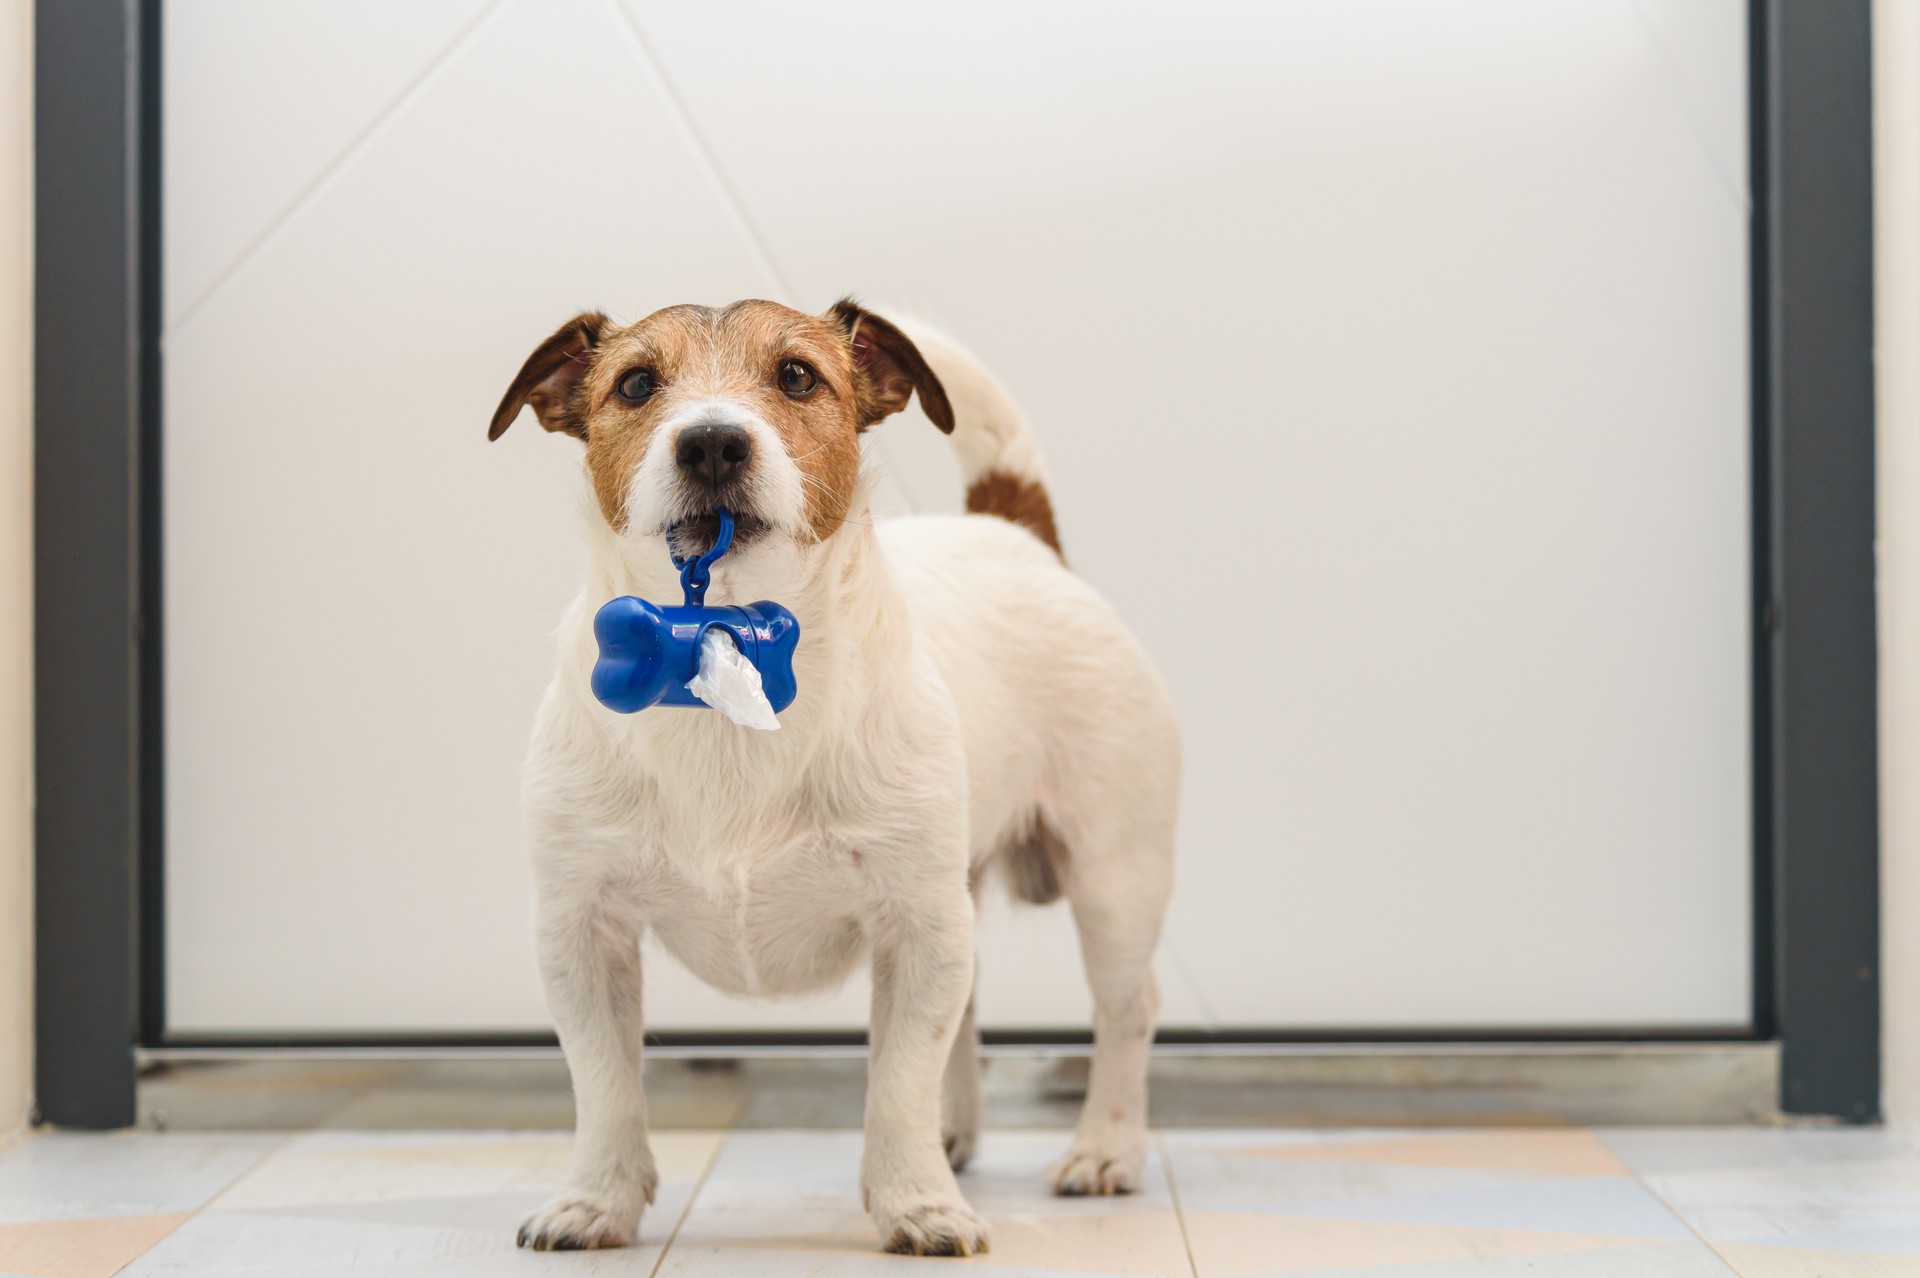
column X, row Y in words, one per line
column 1000, row 460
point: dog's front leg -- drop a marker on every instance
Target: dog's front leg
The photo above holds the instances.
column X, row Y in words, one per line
column 590, row 963
column 922, row 976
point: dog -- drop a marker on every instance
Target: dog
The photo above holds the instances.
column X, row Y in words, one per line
column 965, row 701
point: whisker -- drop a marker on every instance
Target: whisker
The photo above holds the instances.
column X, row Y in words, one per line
column 828, row 492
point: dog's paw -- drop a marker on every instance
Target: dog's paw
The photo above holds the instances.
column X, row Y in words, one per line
column 578, row 1222
column 1091, row 1168
column 933, row 1226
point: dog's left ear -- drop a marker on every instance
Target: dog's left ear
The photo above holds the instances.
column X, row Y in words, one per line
column 548, row 377
column 894, row 368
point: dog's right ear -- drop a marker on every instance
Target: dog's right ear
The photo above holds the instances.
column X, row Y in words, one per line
column 548, row 378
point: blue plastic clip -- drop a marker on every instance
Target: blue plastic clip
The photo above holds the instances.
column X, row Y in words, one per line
column 649, row 652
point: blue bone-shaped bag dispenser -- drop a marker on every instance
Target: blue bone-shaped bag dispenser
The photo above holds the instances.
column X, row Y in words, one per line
column 648, row 652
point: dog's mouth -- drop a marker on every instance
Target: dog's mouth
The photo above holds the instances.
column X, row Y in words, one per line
column 696, row 534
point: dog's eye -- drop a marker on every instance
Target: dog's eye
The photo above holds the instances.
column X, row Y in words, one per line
column 635, row 387
column 797, row 378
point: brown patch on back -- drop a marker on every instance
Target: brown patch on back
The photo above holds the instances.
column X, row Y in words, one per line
column 1023, row 501
column 1036, row 861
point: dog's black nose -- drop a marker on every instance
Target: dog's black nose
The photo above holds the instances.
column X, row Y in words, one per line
column 713, row 452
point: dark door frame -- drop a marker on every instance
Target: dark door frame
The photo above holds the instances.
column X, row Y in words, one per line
column 98, row 687
column 96, row 432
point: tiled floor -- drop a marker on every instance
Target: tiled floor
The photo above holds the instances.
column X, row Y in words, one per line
column 1759, row 1202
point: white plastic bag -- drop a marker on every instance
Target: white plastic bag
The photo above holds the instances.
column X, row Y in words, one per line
column 728, row 682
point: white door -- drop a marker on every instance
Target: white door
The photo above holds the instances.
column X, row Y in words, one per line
column 1391, row 362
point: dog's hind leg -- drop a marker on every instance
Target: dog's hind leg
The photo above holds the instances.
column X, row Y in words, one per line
column 960, row 1092
column 1118, row 903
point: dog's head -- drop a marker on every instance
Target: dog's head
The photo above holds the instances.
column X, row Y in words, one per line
column 756, row 407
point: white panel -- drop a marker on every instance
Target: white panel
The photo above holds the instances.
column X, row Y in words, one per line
column 263, row 98
column 356, row 836
column 1413, row 338
column 1401, row 346
column 360, row 590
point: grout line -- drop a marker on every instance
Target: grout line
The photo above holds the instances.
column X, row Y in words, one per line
column 1660, row 1198
column 332, row 167
column 1173, row 1192
column 719, row 1147
column 1688, row 106
column 286, row 1139
column 279, row 1148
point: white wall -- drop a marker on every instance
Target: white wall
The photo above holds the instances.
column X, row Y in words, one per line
column 16, row 542
column 1897, row 296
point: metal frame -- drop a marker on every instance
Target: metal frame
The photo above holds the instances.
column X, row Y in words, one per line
column 98, row 739
column 1813, row 350
column 96, row 429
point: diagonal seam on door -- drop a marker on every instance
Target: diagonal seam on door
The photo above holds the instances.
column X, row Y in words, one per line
column 1680, row 92
column 703, row 153
column 332, row 167
column 709, row 160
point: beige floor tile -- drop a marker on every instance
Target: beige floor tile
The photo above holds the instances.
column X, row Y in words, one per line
column 1563, row 1152
column 430, row 1204
column 1801, row 1262
column 1117, row 1241
column 1231, row 1244
column 358, row 1167
column 788, row 1202
column 95, row 1248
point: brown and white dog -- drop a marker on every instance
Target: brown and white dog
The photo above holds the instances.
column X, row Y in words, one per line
column 964, row 700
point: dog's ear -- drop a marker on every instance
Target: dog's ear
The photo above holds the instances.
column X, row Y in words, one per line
column 548, row 378
column 893, row 366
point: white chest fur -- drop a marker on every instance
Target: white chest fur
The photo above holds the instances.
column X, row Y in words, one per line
column 776, row 922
